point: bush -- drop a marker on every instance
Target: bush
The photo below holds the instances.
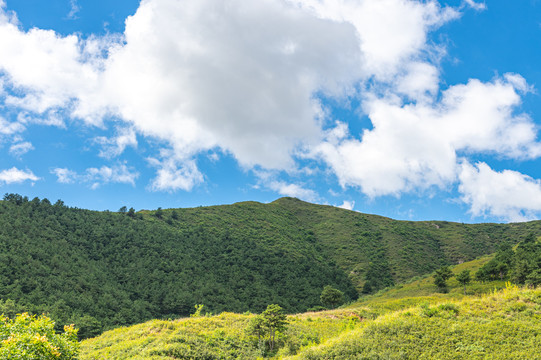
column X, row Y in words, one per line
column 30, row 337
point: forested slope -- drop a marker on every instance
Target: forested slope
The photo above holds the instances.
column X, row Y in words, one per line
column 102, row 269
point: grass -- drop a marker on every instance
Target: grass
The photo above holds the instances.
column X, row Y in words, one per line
column 493, row 321
column 504, row 324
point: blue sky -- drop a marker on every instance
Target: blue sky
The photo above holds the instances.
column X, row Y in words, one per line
column 407, row 109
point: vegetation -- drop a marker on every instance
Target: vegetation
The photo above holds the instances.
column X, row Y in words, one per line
column 100, row 270
column 331, row 297
column 464, row 278
column 271, row 322
column 440, row 278
column 30, row 337
column 500, row 324
column 522, row 266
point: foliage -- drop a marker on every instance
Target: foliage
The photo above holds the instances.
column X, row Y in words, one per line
column 498, row 325
column 440, row 278
column 331, row 297
column 100, row 270
column 198, row 310
column 274, row 320
column 30, row 337
column 464, row 278
column 502, row 325
column 521, row 266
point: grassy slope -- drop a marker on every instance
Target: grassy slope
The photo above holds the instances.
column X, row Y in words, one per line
column 404, row 322
column 501, row 325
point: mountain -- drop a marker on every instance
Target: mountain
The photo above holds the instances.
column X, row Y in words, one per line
column 104, row 269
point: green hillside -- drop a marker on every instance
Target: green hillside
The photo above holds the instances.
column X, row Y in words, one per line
column 104, row 269
column 502, row 324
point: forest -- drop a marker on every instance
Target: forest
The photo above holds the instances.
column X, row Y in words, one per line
column 101, row 270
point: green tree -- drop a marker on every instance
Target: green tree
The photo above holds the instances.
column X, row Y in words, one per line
column 30, row 337
column 331, row 297
column 88, row 327
column 440, row 278
column 271, row 321
column 131, row 212
column 257, row 327
column 10, row 309
column 534, row 278
column 123, row 210
column 159, row 213
column 464, row 278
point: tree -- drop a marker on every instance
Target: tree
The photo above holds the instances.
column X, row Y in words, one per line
column 257, row 327
column 275, row 320
column 272, row 320
column 440, row 278
column 123, row 210
column 31, row 337
column 331, row 297
column 464, row 278
column 131, row 212
column 88, row 326
column 534, row 278
column 159, row 213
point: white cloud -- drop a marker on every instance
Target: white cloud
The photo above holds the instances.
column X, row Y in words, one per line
column 174, row 173
column 10, row 128
column 98, row 176
column 391, row 32
column 15, row 175
column 348, row 205
column 508, row 194
column 65, row 176
column 475, row 5
column 21, row 148
column 74, row 9
column 241, row 77
column 246, row 78
column 292, row 190
column 415, row 146
column 112, row 147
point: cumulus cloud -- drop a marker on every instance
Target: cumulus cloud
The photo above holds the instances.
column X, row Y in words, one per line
column 249, row 79
column 292, row 190
column 415, row 146
column 96, row 177
column 65, row 176
column 175, row 174
column 10, row 128
column 14, row 175
column 507, row 194
column 391, row 32
column 348, row 205
column 241, row 76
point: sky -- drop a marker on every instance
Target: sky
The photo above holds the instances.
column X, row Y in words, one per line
column 415, row 110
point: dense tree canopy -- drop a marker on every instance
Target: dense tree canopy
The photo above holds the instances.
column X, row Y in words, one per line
column 103, row 269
